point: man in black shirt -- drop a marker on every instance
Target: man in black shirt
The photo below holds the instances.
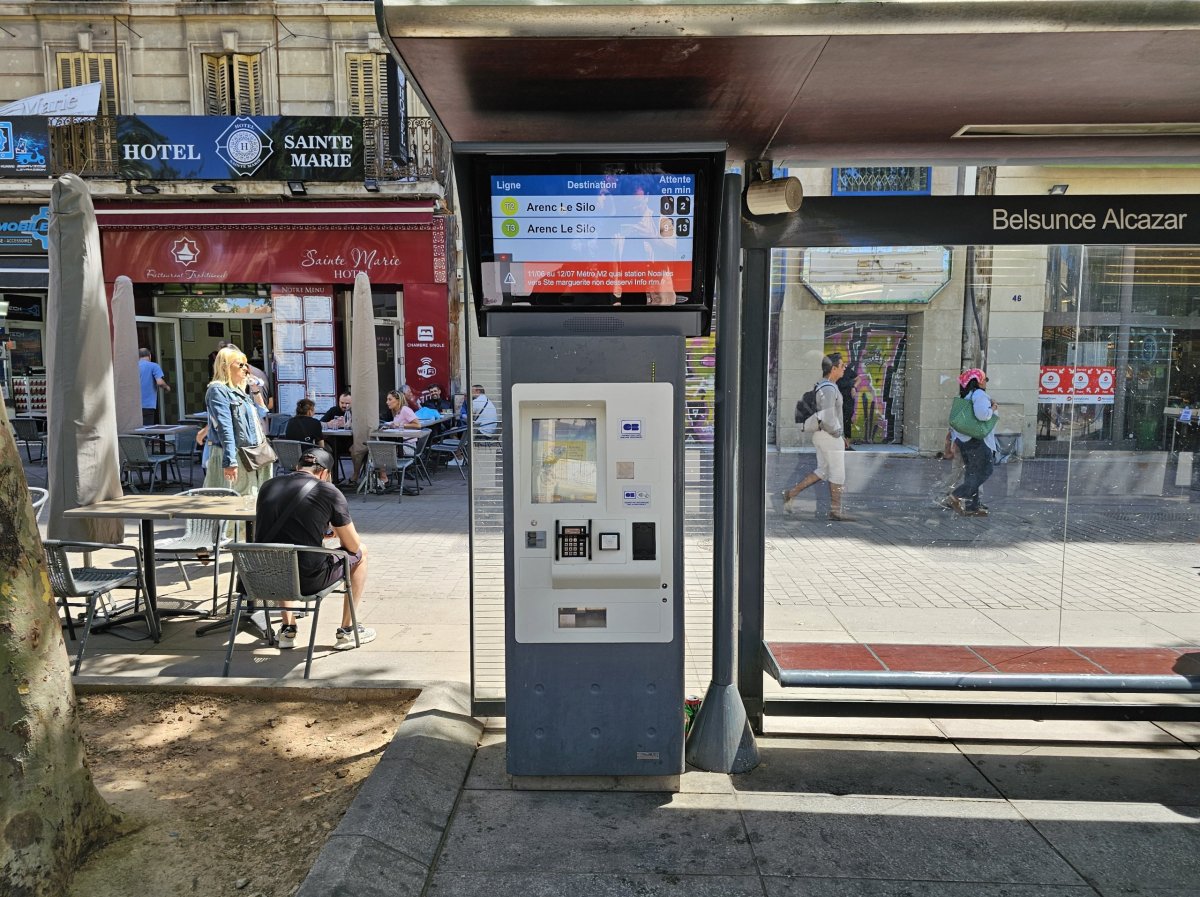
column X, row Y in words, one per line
column 307, row 523
column 340, row 411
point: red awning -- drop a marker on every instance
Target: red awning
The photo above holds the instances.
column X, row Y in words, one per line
column 271, row 215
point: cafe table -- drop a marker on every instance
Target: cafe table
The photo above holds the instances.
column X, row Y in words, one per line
column 148, row 509
column 338, row 440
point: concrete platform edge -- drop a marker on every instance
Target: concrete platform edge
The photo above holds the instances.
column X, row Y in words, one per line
column 441, row 713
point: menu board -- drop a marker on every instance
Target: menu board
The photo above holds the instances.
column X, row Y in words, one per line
column 304, row 354
column 616, row 234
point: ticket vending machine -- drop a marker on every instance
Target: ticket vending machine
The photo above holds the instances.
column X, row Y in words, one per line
column 592, row 266
column 594, row 560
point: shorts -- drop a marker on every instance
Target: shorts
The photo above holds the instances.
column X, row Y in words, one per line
column 331, row 575
column 831, row 457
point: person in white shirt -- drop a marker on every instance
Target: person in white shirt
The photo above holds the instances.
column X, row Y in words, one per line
column 483, row 412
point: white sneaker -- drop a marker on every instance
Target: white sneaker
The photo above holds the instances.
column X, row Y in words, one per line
column 344, row 639
column 286, row 637
column 789, row 507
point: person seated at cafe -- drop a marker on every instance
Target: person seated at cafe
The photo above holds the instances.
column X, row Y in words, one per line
column 482, row 411
column 306, row 520
column 403, row 418
column 410, row 397
column 303, row 427
column 338, row 416
column 433, row 398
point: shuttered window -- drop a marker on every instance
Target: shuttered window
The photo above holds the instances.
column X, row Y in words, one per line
column 79, row 68
column 366, row 75
column 232, row 84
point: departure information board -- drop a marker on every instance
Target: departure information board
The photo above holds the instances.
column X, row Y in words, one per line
column 615, row 234
column 630, row 227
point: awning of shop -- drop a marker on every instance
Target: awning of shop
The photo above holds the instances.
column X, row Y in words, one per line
column 395, row 215
column 24, row 272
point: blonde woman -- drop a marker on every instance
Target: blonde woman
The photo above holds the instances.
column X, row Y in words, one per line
column 233, row 422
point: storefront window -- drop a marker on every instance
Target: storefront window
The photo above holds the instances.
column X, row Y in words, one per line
column 1166, row 281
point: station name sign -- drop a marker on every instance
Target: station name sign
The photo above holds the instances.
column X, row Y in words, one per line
column 983, row 220
column 222, row 148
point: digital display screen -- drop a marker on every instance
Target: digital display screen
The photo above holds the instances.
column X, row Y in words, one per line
column 565, row 464
column 611, row 229
column 616, row 235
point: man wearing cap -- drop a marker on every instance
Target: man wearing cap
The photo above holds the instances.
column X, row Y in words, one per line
column 306, row 523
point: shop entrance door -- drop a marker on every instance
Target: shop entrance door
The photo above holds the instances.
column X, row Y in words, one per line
column 389, row 358
column 161, row 337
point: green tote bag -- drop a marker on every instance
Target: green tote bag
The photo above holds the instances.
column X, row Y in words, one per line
column 963, row 419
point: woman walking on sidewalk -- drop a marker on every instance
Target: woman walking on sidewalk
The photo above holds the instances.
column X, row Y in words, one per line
column 978, row 454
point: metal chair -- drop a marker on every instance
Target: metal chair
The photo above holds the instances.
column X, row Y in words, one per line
column 202, row 540
column 269, row 574
column 93, row 584
column 277, row 425
column 391, row 456
column 452, row 443
column 136, row 457
column 38, row 497
column 27, row 433
column 289, row 452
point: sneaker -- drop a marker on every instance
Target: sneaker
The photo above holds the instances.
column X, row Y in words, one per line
column 976, row 512
column 287, row 637
column 789, row 507
column 952, row 503
column 344, row 639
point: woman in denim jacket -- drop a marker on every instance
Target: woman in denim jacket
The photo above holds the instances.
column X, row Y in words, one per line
column 232, row 423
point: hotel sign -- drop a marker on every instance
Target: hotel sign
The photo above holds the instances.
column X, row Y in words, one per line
column 229, row 148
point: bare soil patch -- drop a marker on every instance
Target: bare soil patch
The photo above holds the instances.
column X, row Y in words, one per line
column 223, row 794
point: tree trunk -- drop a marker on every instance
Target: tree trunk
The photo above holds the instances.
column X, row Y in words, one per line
column 50, row 811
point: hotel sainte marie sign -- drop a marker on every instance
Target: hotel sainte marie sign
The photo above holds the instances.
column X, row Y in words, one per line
column 225, row 148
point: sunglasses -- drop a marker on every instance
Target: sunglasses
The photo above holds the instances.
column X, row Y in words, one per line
column 242, row 365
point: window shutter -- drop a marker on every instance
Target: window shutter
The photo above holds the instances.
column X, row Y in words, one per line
column 247, row 78
column 216, row 85
column 79, row 68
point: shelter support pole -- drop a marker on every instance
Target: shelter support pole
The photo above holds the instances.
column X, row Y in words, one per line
column 752, row 453
column 721, row 739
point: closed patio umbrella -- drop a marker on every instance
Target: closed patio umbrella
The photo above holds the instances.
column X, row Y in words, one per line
column 125, row 358
column 83, row 467
column 364, row 382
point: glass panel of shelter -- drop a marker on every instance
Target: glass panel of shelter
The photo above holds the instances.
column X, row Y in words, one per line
column 1094, row 364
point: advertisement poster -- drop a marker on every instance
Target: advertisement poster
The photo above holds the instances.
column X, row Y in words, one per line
column 24, row 146
column 1080, row 385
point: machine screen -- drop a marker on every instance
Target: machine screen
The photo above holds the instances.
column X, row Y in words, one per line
column 564, row 459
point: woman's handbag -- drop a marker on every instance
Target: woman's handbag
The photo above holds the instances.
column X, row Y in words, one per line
column 963, row 419
column 257, row 456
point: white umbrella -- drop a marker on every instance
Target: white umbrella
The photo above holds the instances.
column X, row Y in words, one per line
column 82, row 464
column 364, row 382
column 125, row 358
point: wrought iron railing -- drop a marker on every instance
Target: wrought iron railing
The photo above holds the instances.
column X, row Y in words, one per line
column 88, row 147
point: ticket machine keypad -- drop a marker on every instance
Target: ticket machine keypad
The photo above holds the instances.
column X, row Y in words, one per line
column 574, row 542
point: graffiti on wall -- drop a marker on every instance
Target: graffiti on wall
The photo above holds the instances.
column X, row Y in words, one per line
column 873, row 386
